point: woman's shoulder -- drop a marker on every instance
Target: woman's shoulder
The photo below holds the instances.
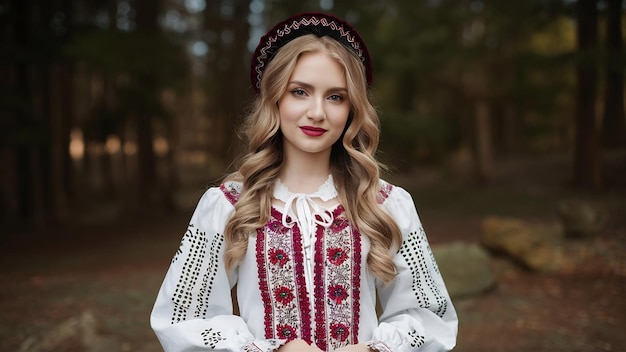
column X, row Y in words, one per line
column 388, row 191
column 231, row 190
column 222, row 196
column 398, row 203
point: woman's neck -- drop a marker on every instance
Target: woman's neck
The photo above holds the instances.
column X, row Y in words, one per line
column 304, row 174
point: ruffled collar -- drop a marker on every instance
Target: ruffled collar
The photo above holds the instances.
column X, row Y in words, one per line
column 307, row 212
column 325, row 192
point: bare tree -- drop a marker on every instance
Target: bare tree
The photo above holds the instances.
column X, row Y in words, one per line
column 587, row 162
column 614, row 126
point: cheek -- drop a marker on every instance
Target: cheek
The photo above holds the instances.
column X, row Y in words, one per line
column 288, row 111
column 342, row 119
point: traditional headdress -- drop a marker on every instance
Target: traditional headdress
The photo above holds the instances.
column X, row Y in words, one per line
column 320, row 24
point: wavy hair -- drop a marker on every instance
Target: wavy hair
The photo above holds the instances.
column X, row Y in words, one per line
column 353, row 165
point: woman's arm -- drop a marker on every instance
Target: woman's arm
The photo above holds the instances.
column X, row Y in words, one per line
column 193, row 310
column 417, row 313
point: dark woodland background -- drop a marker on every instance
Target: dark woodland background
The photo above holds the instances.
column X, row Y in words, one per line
column 115, row 115
column 132, row 102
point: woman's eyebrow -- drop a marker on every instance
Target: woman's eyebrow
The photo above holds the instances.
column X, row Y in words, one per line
column 310, row 87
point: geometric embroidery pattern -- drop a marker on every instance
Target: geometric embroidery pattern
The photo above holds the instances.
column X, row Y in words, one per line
column 418, row 340
column 211, row 338
column 209, row 275
column 423, row 285
column 191, row 270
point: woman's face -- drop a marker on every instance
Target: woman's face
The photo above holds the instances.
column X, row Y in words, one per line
column 314, row 108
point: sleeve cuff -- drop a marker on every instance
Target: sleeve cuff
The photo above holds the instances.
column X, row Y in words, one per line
column 378, row 346
column 263, row 345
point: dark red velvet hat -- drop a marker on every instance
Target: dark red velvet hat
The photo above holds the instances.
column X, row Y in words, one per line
column 320, row 24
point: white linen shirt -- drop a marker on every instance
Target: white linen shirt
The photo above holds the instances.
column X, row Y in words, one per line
column 194, row 311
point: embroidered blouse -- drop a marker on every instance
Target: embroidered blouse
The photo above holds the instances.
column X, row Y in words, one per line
column 194, row 311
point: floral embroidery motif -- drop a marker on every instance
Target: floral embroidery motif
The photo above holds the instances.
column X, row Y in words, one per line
column 285, row 331
column 337, row 278
column 336, row 256
column 283, row 295
column 337, row 283
column 339, row 332
column 231, row 190
column 337, row 293
column 278, row 257
column 385, row 191
column 281, row 281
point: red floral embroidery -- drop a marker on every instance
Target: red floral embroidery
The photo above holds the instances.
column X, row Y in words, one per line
column 337, row 256
column 231, row 192
column 384, row 192
column 339, row 331
column 338, row 224
column 337, row 283
column 278, row 256
column 284, row 331
column 281, row 281
column 283, row 294
column 337, row 293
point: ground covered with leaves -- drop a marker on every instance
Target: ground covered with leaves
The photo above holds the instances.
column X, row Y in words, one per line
column 91, row 287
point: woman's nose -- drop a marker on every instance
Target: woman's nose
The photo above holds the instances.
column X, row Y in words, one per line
column 316, row 111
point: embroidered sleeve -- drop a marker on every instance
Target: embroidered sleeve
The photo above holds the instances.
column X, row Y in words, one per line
column 193, row 309
column 417, row 313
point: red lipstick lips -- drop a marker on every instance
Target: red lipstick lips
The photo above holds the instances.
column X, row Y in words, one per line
column 312, row 131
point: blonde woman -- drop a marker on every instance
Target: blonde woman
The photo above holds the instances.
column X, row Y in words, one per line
column 305, row 228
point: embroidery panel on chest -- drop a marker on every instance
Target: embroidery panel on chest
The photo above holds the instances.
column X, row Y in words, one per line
column 281, row 281
column 337, row 284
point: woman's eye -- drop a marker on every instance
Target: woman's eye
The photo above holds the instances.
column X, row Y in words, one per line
column 336, row 97
column 298, row 92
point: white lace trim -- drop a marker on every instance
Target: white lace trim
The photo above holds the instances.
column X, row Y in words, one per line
column 325, row 192
column 307, row 212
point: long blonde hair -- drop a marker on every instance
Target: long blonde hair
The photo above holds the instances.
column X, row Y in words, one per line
column 353, row 165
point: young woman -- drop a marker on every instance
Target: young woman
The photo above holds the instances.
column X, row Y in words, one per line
column 305, row 228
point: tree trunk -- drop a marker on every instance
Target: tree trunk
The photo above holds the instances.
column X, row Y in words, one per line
column 587, row 162
column 228, row 67
column 483, row 143
column 28, row 173
column 147, row 22
column 614, row 126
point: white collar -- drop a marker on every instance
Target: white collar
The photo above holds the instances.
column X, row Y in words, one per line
column 325, row 192
column 307, row 211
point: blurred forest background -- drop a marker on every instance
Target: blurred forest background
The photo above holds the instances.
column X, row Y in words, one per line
column 130, row 102
column 115, row 115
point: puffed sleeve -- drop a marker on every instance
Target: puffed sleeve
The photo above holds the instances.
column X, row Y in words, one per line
column 417, row 313
column 193, row 310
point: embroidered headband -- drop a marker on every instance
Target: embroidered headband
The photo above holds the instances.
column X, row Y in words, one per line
column 321, row 25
